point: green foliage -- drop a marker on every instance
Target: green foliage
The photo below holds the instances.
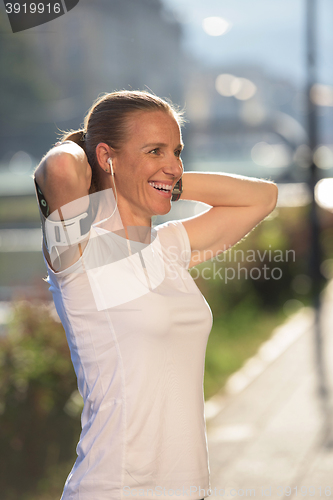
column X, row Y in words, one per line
column 36, row 382
column 234, row 338
column 19, row 210
column 246, row 309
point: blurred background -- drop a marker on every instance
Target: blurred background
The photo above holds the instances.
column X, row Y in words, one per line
column 241, row 70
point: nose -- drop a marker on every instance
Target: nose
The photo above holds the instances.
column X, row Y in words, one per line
column 174, row 167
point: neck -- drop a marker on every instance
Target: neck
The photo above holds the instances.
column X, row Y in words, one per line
column 131, row 219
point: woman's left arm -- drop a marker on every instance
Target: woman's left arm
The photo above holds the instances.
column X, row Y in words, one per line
column 238, row 205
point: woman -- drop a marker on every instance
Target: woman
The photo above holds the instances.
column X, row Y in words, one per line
column 136, row 324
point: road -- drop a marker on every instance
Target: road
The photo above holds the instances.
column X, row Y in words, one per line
column 269, row 431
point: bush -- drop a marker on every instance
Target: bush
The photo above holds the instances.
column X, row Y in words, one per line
column 36, row 382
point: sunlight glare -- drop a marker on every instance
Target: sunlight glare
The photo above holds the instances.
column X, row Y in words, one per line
column 324, row 193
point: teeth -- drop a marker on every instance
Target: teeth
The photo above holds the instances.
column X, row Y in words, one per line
column 166, row 187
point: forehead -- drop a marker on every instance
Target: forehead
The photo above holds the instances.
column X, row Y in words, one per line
column 153, row 126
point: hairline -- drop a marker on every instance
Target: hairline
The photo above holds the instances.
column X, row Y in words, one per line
column 168, row 111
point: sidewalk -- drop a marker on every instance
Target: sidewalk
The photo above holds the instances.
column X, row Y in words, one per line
column 268, row 435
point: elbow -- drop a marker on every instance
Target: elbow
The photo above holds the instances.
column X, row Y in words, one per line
column 268, row 198
column 54, row 169
column 272, row 197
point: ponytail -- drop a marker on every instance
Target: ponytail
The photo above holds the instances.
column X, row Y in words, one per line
column 77, row 136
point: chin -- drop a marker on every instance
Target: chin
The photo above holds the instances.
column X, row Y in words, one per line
column 164, row 211
column 160, row 209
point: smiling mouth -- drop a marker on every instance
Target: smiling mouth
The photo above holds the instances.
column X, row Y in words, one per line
column 161, row 187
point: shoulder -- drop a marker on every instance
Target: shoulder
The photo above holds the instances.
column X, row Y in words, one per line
column 174, row 239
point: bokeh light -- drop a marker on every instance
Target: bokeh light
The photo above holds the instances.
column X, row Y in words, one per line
column 322, row 95
column 225, row 84
column 294, row 194
column 262, row 154
column 301, row 284
column 323, row 157
column 324, row 193
column 20, row 163
column 326, row 268
column 268, row 155
column 246, row 90
column 302, row 156
column 291, row 306
column 229, row 85
column 215, row 26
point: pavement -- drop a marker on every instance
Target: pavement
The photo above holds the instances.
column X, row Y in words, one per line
column 270, row 430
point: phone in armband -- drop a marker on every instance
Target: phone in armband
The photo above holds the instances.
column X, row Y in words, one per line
column 63, row 232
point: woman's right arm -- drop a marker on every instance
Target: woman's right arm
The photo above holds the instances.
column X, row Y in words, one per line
column 63, row 175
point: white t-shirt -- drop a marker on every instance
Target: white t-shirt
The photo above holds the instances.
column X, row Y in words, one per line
column 139, row 363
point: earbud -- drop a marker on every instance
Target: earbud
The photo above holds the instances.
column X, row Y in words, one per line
column 111, row 167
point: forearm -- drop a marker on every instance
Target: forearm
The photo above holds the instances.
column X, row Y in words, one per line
column 226, row 190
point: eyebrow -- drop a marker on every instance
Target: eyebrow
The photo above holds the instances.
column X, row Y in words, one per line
column 161, row 145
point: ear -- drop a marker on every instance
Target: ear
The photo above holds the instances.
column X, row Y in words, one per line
column 103, row 153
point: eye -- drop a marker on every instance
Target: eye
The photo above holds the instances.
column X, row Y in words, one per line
column 178, row 153
column 155, row 151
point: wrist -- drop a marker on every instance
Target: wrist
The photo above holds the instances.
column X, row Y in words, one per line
column 177, row 190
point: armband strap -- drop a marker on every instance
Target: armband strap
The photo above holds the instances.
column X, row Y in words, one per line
column 45, row 209
column 63, row 232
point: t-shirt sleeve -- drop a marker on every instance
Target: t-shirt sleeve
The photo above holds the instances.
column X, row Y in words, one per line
column 174, row 239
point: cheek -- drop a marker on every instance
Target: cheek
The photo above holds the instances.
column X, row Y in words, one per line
column 133, row 171
column 125, row 174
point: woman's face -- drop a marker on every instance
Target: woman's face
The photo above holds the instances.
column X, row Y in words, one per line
column 147, row 166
